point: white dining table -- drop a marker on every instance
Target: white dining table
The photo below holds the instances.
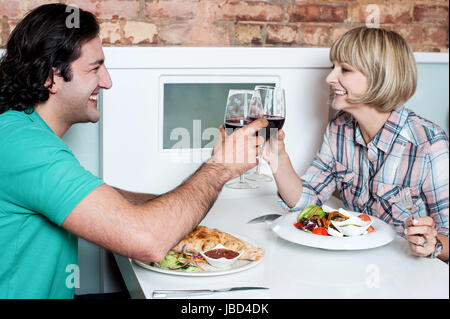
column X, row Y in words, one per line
column 294, row 271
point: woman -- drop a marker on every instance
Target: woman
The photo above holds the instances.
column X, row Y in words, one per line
column 374, row 149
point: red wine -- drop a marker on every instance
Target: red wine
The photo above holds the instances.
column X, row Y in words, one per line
column 237, row 123
column 275, row 123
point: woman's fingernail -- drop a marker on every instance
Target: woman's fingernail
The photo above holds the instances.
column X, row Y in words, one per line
column 406, row 231
column 414, row 221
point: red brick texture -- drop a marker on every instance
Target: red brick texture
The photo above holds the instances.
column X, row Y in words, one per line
column 313, row 23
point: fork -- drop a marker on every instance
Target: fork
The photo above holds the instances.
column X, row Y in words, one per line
column 264, row 218
column 406, row 201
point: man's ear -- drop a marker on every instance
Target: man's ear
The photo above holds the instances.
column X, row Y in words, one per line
column 52, row 82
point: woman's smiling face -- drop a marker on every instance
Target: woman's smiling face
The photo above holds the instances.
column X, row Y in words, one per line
column 346, row 82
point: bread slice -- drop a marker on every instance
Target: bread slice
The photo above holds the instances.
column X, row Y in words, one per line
column 203, row 239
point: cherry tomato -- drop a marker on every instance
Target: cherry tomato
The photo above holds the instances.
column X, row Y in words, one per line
column 365, row 217
column 299, row 225
column 320, row 231
column 370, row 229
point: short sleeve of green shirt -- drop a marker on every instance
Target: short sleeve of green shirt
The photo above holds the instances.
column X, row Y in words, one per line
column 44, row 175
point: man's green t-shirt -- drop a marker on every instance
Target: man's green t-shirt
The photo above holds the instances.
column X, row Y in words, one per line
column 41, row 182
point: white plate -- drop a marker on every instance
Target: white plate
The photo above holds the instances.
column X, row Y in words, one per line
column 239, row 265
column 382, row 235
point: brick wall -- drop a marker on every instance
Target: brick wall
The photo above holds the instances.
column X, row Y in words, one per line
column 423, row 23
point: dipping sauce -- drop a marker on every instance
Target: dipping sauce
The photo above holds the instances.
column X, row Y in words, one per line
column 221, row 252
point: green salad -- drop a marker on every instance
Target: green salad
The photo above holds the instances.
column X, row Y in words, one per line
column 176, row 261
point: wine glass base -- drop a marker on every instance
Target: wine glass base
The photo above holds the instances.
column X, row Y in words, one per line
column 241, row 185
column 250, row 172
column 259, row 177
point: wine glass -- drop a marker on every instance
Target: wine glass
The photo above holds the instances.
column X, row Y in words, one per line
column 239, row 103
column 273, row 105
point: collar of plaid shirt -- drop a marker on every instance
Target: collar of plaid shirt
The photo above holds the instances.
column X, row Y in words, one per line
column 388, row 133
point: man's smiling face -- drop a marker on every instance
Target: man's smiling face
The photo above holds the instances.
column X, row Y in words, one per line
column 78, row 97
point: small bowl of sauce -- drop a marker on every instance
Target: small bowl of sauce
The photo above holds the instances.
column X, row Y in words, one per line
column 220, row 256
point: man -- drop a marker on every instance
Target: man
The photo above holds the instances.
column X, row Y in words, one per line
column 50, row 77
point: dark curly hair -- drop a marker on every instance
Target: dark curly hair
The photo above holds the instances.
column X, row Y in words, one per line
column 42, row 45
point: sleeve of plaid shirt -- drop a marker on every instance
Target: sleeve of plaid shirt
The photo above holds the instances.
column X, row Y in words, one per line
column 318, row 181
column 435, row 187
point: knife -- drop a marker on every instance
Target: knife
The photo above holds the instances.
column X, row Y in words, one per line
column 264, row 218
column 160, row 294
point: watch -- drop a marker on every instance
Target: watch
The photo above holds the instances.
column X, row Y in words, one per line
column 437, row 249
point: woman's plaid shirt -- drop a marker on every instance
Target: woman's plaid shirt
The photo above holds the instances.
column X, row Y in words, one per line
column 408, row 152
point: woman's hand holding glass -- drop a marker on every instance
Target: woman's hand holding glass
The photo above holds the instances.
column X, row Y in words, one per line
column 275, row 150
column 272, row 108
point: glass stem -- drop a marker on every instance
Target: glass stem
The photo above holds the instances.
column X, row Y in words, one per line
column 258, row 167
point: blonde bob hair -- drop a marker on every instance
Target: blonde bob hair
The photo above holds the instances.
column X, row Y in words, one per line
column 387, row 61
